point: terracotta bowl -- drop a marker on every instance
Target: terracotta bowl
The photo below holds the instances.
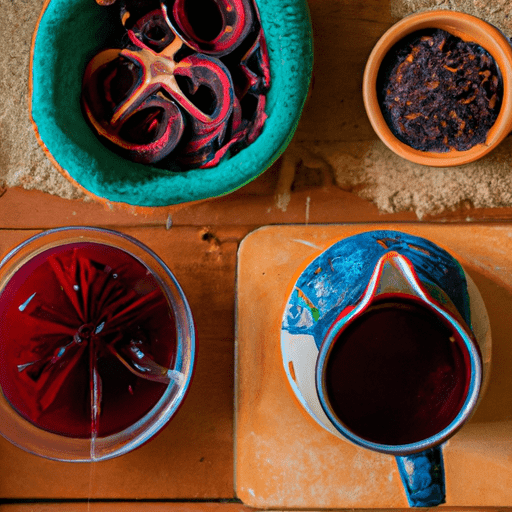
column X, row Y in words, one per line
column 70, row 32
column 468, row 28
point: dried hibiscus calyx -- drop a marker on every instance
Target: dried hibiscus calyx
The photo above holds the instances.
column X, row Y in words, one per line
column 188, row 84
column 439, row 93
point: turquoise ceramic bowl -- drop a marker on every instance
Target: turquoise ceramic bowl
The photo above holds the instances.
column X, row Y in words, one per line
column 70, row 32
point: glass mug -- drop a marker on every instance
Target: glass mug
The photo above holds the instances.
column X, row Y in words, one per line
column 386, row 343
column 97, row 344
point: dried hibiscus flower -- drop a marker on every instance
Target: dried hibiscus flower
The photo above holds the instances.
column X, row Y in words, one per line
column 440, row 93
column 188, row 84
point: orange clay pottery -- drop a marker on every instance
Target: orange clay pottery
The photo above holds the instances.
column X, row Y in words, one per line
column 469, row 29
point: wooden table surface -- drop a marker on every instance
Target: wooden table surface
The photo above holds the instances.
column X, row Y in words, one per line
column 189, row 466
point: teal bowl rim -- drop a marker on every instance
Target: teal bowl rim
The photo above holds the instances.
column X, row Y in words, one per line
column 58, row 60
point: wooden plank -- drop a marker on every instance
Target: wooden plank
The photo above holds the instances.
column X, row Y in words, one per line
column 344, row 35
column 254, row 205
column 124, row 506
column 21, row 209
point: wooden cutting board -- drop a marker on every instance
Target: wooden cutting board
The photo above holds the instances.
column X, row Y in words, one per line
column 283, row 459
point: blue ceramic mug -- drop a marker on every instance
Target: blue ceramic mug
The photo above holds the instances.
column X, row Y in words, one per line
column 392, row 363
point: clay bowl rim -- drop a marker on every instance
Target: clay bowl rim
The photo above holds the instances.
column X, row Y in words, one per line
column 469, row 28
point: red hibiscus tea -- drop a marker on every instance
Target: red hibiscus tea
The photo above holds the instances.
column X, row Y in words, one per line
column 397, row 374
column 86, row 337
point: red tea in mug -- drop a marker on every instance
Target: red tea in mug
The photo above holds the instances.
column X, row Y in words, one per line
column 397, row 374
column 71, row 307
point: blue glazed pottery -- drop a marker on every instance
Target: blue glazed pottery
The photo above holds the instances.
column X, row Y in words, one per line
column 69, row 33
column 326, row 321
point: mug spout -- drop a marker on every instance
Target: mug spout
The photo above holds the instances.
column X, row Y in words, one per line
column 394, row 275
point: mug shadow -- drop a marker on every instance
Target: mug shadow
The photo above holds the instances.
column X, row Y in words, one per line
column 496, row 404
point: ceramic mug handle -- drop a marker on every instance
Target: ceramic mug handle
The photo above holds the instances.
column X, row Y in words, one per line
column 422, row 475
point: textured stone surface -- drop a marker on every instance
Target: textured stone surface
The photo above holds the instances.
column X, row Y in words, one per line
column 22, row 161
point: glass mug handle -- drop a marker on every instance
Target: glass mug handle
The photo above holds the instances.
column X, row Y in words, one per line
column 422, row 476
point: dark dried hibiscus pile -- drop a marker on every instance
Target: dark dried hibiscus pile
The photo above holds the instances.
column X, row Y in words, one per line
column 441, row 93
column 186, row 86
